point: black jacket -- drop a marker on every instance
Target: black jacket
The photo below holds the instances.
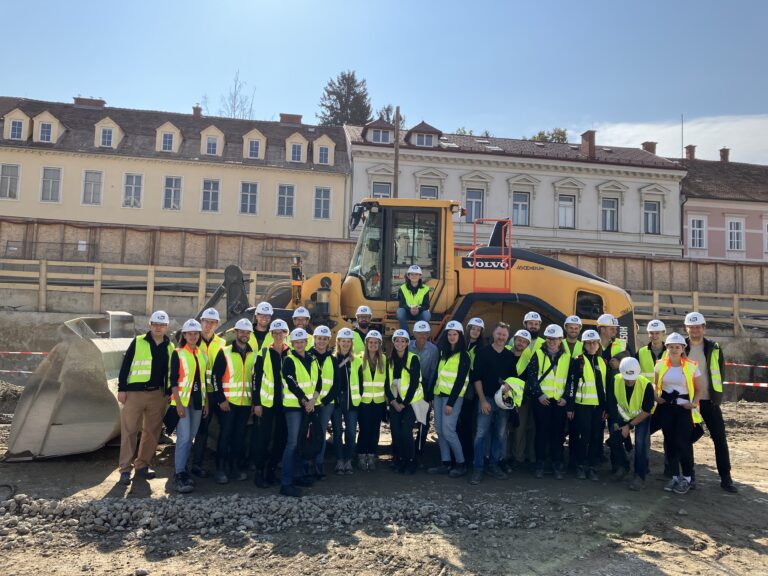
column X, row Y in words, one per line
column 709, row 346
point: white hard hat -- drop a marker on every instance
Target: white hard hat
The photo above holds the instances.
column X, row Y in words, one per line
column 301, row 312
column 656, row 326
column 503, row 402
column 345, row 333
column 523, row 334
column 264, row 308
column 159, row 317
column 322, row 331
column 476, row 322
column 531, row 316
column 674, row 338
column 590, row 336
column 278, row 325
column 400, row 333
column 629, row 368
column 454, row 325
column 694, row 319
column 363, row 310
column 606, row 320
column 299, row 334
column 210, row 314
column 572, row 320
column 244, row 324
column 421, row 326
column 375, row 334
column 553, row 331
column 414, row 269
column 191, row 325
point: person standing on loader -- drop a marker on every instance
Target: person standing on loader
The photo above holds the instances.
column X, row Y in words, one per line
column 413, row 299
column 141, row 389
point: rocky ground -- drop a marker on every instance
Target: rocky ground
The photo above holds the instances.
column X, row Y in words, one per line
column 70, row 516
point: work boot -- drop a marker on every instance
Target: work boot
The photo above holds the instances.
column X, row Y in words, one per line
column 458, row 471
column 290, row 491
column 444, row 468
column 592, row 475
column 181, row 483
column 727, row 484
column 581, row 473
column 125, row 478
column 199, row 471
column 221, row 477
column 477, row 476
column 637, row 484
column 498, row 473
column 147, row 473
column 339, row 469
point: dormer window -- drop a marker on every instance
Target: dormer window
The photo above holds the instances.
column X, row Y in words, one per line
column 424, row 139
column 254, row 147
column 167, row 142
column 106, row 137
column 211, row 145
column 295, row 152
column 46, row 129
column 322, row 155
column 17, row 129
column 381, row 136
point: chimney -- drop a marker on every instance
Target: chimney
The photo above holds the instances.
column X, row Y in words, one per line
column 724, row 154
column 89, row 102
column 649, row 147
column 690, row 152
column 197, row 111
column 290, row 118
column 588, row 144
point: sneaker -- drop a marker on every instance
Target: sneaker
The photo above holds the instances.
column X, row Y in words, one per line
column 442, row 469
column 682, row 487
column 290, row 491
column 348, row 468
column 498, row 473
column 125, row 478
column 637, row 484
column 692, row 484
column 147, row 473
column 477, row 476
column 592, row 475
column 728, row 485
column 671, row 485
column 200, row 472
column 619, row 475
column 259, row 481
column 221, row 477
column 303, row 481
column 458, row 471
column 319, row 472
column 181, row 484
column 558, row 469
column 581, row 474
column 165, row 440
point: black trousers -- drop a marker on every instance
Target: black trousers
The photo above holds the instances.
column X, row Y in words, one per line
column 677, row 426
column 588, row 421
column 550, row 431
column 230, row 449
column 268, row 438
column 713, row 418
column 401, row 425
column 201, row 438
column 369, row 417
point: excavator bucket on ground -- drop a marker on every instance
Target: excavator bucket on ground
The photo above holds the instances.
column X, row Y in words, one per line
column 69, row 404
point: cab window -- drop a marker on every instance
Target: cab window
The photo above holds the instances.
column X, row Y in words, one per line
column 415, row 239
column 589, row 306
column 367, row 258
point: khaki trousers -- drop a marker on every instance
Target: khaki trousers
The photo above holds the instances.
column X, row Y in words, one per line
column 523, row 436
column 141, row 411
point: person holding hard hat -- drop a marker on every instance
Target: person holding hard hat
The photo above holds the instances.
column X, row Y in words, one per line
column 262, row 317
column 349, row 393
column 630, row 401
column 519, row 443
column 373, row 376
column 141, row 391
column 465, row 427
column 326, row 402
column 301, row 319
column 677, row 388
column 188, row 396
column 363, row 317
column 413, row 299
column 403, row 389
column 711, row 362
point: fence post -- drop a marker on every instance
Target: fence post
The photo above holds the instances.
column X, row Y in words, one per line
column 150, row 289
column 202, row 288
column 42, row 292
column 97, row 287
column 695, row 302
column 655, row 304
column 252, row 288
column 736, row 315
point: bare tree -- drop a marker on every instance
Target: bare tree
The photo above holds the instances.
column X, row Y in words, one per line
column 238, row 103
column 387, row 113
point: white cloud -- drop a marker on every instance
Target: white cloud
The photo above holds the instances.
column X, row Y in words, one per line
column 746, row 136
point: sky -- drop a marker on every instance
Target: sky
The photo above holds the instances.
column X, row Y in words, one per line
column 630, row 70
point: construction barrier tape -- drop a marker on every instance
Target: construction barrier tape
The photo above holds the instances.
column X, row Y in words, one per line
column 753, row 384
column 746, row 365
column 24, row 353
column 15, row 372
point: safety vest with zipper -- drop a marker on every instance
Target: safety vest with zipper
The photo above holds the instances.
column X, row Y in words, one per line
column 447, row 372
column 187, row 370
column 414, row 299
column 373, row 385
column 586, row 390
column 238, row 375
column 553, row 385
column 648, row 360
column 306, row 380
column 405, row 380
column 141, row 367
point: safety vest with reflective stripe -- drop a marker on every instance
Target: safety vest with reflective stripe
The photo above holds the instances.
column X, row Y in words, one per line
column 141, row 367
column 586, row 390
column 238, row 376
column 267, row 391
column 354, row 381
column 447, row 372
column 405, row 379
column 689, row 370
column 373, row 386
column 647, row 363
column 528, row 353
column 617, row 347
column 553, row 385
column 472, row 353
column 187, row 369
column 714, row 369
column 266, row 343
column 211, row 351
column 576, row 351
column 412, row 299
column 305, row 380
column 516, row 390
column 327, row 373
column 629, row 409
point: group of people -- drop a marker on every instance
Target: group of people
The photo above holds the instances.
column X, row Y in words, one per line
column 498, row 405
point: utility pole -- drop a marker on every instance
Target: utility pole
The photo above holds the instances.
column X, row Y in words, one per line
column 397, row 152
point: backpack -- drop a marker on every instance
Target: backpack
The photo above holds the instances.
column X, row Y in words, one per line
column 311, row 435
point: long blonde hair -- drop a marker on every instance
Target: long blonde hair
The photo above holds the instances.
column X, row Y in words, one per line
column 380, row 359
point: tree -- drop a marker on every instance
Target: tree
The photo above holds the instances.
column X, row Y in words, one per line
column 387, row 113
column 345, row 100
column 464, row 132
column 554, row 135
column 237, row 103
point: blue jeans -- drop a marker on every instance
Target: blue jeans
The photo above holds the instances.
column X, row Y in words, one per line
column 290, row 456
column 186, row 430
column 447, row 438
column 404, row 316
column 326, row 413
column 642, row 447
column 491, row 428
column 344, row 444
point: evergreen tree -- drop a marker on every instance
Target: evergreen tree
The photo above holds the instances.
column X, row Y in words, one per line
column 345, row 100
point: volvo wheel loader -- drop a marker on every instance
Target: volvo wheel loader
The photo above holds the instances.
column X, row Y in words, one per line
column 69, row 404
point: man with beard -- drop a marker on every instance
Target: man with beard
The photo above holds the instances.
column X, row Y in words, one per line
column 363, row 316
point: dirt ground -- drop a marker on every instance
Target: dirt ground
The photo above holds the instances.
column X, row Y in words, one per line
column 515, row 526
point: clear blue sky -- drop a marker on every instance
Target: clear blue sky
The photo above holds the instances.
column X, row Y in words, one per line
column 509, row 67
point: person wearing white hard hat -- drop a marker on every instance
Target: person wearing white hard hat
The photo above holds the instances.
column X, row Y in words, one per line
column 654, row 351
column 520, row 442
column 349, row 394
column 141, row 390
column 188, row 396
column 587, row 407
column 301, row 319
column 428, row 357
column 572, row 343
column 614, row 349
column 373, row 376
column 630, row 402
column 232, row 383
column 552, row 386
column 532, row 323
column 448, row 397
column 363, row 316
column 403, row 389
column 302, row 387
column 468, row 415
column 323, row 355
column 268, row 433
column 413, row 299
column 262, row 317
column 711, row 361
column 677, row 381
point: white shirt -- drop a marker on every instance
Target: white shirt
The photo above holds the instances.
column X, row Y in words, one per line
column 674, row 380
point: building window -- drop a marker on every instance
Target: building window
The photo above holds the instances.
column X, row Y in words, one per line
column 381, row 136
column 210, row 196
column 735, row 230
column 92, row 188
column 521, row 202
column 51, row 185
column 249, row 195
column 17, row 127
column 698, row 234
column 474, row 204
column 285, row 200
column 651, row 217
column 46, row 130
column 566, row 211
column 211, row 145
column 381, row 190
column 253, row 148
column 106, row 137
column 172, row 193
column 295, row 152
column 610, row 214
column 322, row 203
column 167, row 142
column 428, row 192
column 424, row 139
column 9, row 181
column 322, row 155
column 132, row 195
